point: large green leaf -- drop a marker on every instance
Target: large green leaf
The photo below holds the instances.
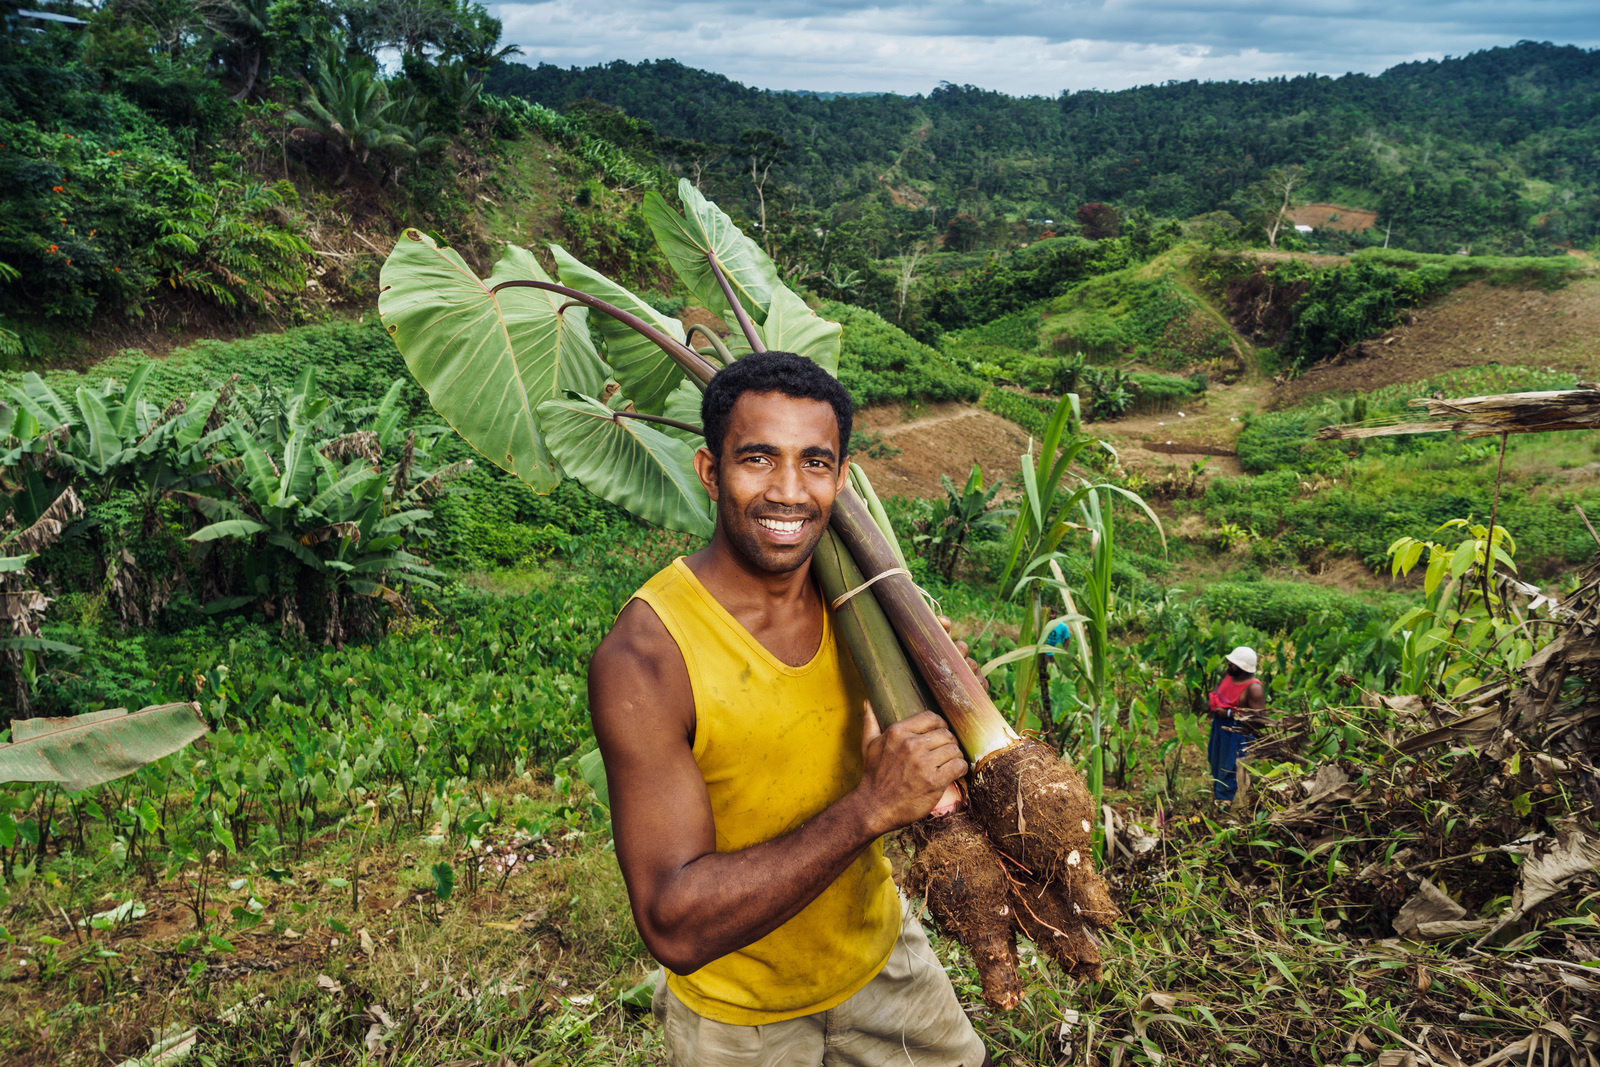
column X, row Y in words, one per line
column 791, row 326
column 487, row 360
column 628, row 462
column 228, row 528
column 299, row 471
column 684, row 405
column 646, row 373
column 703, row 229
column 86, row 750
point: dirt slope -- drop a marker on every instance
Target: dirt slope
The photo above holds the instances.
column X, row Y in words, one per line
column 942, row 439
column 1477, row 324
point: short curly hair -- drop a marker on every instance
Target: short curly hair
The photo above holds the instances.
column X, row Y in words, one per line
column 783, row 373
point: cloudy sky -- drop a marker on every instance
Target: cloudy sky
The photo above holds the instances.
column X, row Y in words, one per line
column 1027, row 46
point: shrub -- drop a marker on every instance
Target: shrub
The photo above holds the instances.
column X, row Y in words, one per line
column 1279, row 606
column 881, row 363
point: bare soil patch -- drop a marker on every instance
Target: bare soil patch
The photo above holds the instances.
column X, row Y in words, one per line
column 941, row 439
column 1477, row 325
column 1333, row 217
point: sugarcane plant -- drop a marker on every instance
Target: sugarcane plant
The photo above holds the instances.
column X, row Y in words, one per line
column 508, row 362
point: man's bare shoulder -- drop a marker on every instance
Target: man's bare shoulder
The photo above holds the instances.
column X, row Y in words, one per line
column 638, row 669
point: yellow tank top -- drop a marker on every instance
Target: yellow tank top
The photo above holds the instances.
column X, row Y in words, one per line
column 776, row 745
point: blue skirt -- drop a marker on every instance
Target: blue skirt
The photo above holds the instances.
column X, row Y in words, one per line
column 1223, row 752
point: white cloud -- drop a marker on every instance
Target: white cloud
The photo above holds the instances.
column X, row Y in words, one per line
column 1030, row 46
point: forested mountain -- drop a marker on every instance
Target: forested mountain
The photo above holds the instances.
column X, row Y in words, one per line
column 1496, row 151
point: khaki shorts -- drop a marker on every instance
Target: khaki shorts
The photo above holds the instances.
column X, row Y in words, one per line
column 907, row 1015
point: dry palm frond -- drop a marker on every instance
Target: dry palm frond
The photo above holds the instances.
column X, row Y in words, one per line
column 44, row 531
column 362, row 444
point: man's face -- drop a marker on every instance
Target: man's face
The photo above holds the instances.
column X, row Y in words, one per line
column 777, row 478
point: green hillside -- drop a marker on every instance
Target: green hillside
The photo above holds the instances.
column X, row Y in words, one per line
column 1492, row 150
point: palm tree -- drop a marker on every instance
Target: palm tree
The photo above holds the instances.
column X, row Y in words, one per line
column 348, row 108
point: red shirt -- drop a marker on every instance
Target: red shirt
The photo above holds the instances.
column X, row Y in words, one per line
column 1230, row 693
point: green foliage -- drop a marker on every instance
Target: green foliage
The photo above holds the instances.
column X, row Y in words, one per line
column 1486, row 150
column 881, row 364
column 1345, row 305
column 1276, row 607
column 617, row 167
column 1009, row 285
column 963, row 516
column 1156, row 320
column 1284, row 440
column 1032, row 413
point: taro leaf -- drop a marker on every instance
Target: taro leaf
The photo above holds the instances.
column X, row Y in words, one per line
column 683, row 404
column 628, row 462
column 444, row 880
column 646, row 373
column 688, row 238
column 592, row 768
column 791, row 326
column 86, row 750
column 487, row 360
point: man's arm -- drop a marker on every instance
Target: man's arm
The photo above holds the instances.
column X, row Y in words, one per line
column 693, row 904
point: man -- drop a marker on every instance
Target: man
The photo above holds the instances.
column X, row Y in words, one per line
column 749, row 786
column 1235, row 705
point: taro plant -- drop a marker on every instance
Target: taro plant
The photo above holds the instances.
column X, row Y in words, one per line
column 508, row 361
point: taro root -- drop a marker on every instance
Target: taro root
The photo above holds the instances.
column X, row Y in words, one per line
column 1033, row 808
column 965, row 884
column 1037, row 810
column 1057, row 927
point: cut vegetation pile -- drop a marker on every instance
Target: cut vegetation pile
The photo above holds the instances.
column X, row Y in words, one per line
column 1405, row 872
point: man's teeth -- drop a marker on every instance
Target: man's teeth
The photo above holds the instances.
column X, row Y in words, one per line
column 782, row 527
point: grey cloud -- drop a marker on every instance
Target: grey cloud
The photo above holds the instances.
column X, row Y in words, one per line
column 1027, row 45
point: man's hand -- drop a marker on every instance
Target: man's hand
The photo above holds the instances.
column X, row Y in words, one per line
column 907, row 768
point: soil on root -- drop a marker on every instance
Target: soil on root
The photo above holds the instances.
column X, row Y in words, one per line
column 1052, row 925
column 964, row 882
column 1038, row 811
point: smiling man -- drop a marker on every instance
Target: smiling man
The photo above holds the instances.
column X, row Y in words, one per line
column 750, row 787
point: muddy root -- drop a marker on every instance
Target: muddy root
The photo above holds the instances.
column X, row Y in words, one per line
column 964, row 882
column 1038, row 811
column 1048, row 921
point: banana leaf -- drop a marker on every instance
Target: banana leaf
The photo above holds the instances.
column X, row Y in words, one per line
column 83, row 751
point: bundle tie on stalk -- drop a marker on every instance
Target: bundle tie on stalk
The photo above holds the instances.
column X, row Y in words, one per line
column 839, row 601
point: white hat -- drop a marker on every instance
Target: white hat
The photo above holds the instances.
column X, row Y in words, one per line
column 1243, row 657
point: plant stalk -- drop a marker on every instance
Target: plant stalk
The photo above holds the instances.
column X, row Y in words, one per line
column 692, row 362
column 959, row 692
column 739, row 313
column 893, row 687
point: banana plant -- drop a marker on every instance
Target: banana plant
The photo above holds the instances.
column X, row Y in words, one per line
column 83, row 751
column 309, row 493
column 962, row 517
